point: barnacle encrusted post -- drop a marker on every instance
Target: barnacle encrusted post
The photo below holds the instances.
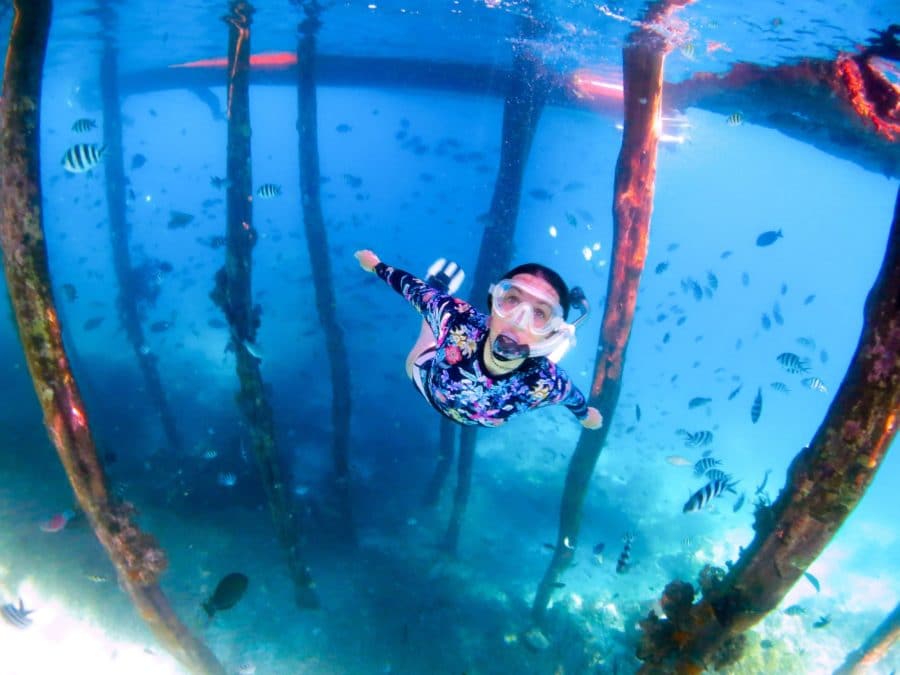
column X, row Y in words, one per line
column 643, row 58
column 874, row 648
column 825, row 483
column 323, row 281
column 232, row 294
column 136, row 556
column 522, row 108
column 114, row 169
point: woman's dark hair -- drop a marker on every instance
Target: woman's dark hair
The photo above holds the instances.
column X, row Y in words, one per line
column 547, row 275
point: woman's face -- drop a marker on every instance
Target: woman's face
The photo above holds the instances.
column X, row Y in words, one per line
column 500, row 326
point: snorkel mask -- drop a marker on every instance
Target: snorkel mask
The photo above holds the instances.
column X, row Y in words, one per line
column 531, row 309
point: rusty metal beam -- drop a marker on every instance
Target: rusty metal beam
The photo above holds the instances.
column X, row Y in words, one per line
column 136, row 556
column 825, row 483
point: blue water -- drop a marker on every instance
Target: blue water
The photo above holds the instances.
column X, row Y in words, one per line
column 396, row 603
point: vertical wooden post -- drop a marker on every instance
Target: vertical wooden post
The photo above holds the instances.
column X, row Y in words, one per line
column 232, row 293
column 114, row 168
column 642, row 62
column 136, row 556
column 522, row 108
column 317, row 244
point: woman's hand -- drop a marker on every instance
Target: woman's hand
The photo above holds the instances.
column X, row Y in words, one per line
column 367, row 260
column 594, row 420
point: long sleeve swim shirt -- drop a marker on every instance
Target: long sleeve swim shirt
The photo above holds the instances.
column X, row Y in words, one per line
column 455, row 380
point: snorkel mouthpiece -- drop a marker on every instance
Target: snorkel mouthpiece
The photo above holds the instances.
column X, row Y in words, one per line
column 507, row 348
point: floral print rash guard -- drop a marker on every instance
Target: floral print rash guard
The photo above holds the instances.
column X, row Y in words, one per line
column 456, row 381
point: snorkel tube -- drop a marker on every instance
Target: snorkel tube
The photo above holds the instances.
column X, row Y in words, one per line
column 507, row 348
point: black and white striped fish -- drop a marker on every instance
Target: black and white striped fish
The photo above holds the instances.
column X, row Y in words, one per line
column 781, row 386
column 756, row 408
column 268, row 191
column 705, row 464
column 83, row 125
column 793, row 363
column 815, row 384
column 695, row 439
column 624, row 561
column 717, row 474
column 702, row 497
column 16, row 616
column 82, row 157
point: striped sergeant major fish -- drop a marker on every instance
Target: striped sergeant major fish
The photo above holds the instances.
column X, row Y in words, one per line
column 702, row 497
column 793, row 363
column 756, row 408
column 624, row 561
column 815, row 384
column 268, row 191
column 16, row 616
column 695, row 439
column 716, row 474
column 82, row 157
column 83, row 125
column 705, row 464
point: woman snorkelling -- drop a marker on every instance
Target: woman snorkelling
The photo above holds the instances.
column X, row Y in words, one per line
column 483, row 369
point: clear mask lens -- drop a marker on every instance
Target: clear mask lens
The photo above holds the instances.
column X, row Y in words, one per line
column 526, row 307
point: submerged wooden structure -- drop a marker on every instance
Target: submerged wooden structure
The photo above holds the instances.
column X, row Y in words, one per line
column 323, row 280
column 522, row 109
column 825, row 483
column 643, row 59
column 232, row 294
column 138, row 559
column 127, row 278
column 826, row 480
column 874, row 648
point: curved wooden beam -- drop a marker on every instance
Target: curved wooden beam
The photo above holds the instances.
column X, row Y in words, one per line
column 825, row 483
column 874, row 648
column 138, row 559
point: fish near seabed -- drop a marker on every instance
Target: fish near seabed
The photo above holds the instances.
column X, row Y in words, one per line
column 227, row 594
